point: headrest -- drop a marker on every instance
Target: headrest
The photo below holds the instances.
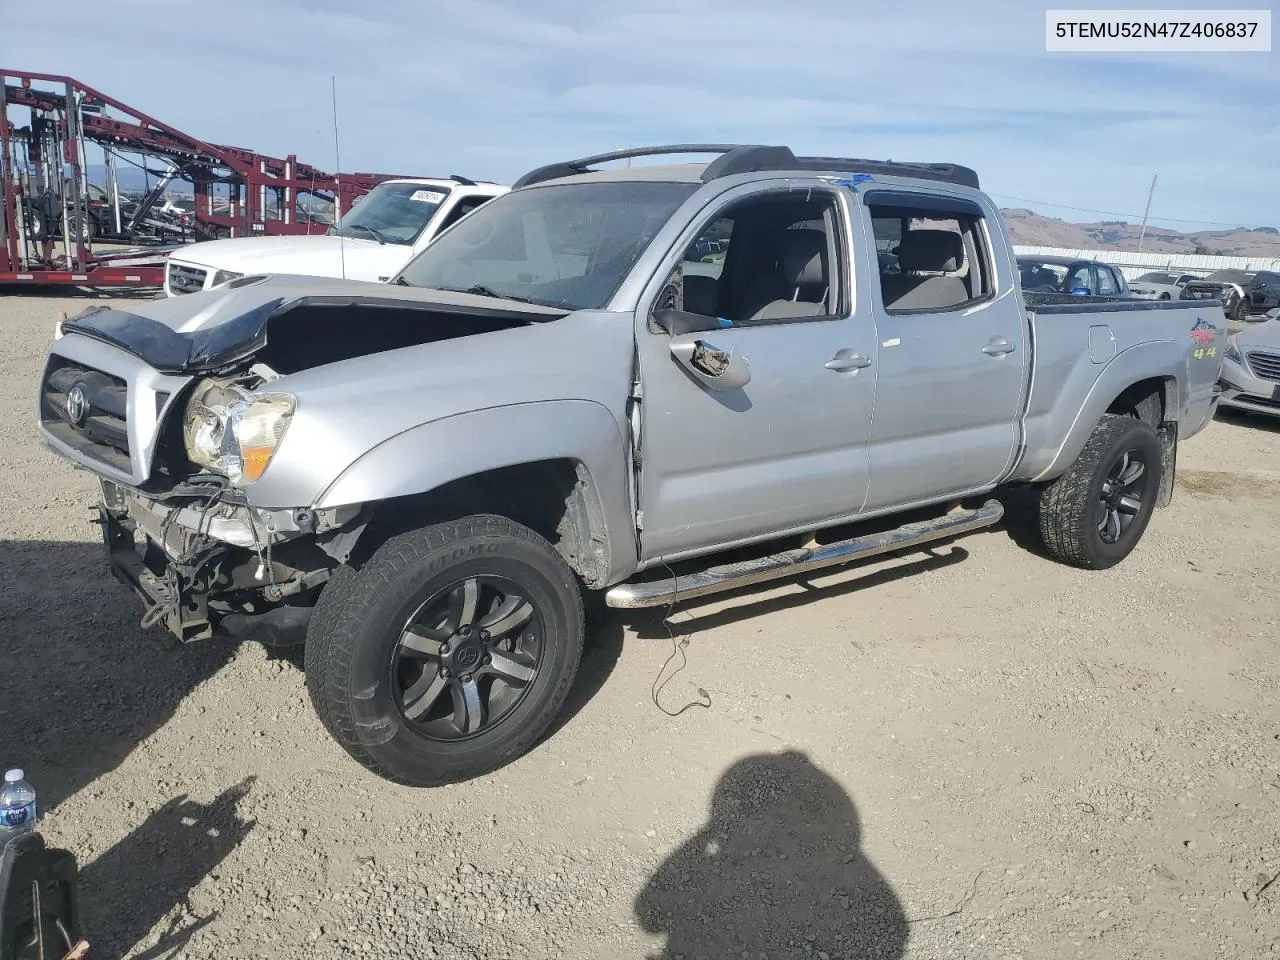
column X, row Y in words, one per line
column 804, row 258
column 931, row 251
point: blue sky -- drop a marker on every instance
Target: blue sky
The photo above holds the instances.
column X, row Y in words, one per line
column 490, row 89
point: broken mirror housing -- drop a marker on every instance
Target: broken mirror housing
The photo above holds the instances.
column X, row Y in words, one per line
column 233, row 431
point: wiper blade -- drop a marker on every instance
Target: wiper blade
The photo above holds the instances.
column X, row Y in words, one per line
column 368, row 229
column 480, row 290
column 401, row 281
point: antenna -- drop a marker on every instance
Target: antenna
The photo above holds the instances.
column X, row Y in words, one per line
column 337, row 177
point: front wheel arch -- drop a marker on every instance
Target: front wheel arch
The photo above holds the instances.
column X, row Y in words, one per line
column 433, row 463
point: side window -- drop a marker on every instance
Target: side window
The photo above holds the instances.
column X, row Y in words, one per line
column 1106, row 282
column 1081, row 278
column 931, row 258
column 460, row 210
column 705, row 257
column 767, row 258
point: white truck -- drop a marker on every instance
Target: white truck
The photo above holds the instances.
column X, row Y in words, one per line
column 387, row 228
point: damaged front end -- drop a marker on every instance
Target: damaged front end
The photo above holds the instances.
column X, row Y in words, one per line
column 180, row 406
column 206, row 564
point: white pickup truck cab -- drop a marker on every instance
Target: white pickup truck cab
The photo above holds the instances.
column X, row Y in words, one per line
column 387, row 228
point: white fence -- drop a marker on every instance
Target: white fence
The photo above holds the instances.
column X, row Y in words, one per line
column 1133, row 265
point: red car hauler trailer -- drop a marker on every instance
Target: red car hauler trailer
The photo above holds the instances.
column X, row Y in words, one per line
column 51, row 212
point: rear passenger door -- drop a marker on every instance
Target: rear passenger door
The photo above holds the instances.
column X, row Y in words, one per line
column 952, row 360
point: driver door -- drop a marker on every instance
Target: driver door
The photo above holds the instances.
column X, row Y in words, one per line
column 758, row 381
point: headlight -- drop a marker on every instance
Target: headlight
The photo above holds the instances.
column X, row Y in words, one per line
column 1232, row 352
column 235, row 432
column 225, row 276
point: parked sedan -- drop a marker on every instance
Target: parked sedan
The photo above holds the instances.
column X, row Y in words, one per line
column 1264, row 292
column 1251, row 368
column 1081, row 278
column 1160, row 286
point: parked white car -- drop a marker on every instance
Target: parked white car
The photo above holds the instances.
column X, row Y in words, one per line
column 387, row 228
column 1160, row 286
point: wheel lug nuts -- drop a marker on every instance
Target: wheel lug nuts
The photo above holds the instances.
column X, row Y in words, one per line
column 488, row 659
column 444, row 648
column 484, row 634
column 445, row 674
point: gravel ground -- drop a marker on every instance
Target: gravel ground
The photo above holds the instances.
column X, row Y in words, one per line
column 973, row 753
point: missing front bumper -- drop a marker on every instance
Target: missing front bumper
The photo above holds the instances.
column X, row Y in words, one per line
column 170, row 597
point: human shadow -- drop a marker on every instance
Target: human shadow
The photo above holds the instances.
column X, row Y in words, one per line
column 149, row 875
column 777, row 871
column 82, row 684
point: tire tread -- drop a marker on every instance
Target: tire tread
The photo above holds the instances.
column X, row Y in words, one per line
column 344, row 606
column 1065, row 513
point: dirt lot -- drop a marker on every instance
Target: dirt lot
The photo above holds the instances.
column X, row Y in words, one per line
column 973, row 754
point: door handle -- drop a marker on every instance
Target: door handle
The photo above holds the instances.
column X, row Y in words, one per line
column 998, row 347
column 846, row 360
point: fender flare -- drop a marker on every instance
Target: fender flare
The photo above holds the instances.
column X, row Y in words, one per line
column 425, row 457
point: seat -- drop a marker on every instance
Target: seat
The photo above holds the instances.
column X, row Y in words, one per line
column 929, row 260
column 797, row 286
column 701, row 294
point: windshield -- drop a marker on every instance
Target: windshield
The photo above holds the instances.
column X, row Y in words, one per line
column 391, row 213
column 1230, row 276
column 567, row 246
column 1154, row 278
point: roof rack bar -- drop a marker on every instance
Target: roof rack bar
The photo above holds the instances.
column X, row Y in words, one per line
column 569, row 168
column 944, row 172
column 755, row 158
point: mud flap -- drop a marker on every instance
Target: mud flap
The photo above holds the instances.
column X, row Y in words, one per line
column 1168, row 434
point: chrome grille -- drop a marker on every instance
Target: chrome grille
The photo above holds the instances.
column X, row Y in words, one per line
column 184, row 279
column 97, row 423
column 1265, row 365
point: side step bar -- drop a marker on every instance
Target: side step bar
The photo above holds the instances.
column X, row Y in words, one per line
column 790, row 563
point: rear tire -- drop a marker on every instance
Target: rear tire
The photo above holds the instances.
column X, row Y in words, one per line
column 422, row 700
column 1093, row 516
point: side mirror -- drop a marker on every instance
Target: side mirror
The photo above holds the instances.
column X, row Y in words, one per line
column 712, row 366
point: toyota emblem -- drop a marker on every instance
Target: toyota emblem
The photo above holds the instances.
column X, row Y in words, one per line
column 77, row 405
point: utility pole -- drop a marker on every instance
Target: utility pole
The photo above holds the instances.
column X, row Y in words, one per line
column 1142, row 235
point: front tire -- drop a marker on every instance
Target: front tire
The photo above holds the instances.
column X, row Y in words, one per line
column 448, row 653
column 1093, row 516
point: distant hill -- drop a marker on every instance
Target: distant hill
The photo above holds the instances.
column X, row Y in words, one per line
column 1034, row 229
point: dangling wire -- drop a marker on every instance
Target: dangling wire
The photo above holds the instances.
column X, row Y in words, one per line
column 677, row 649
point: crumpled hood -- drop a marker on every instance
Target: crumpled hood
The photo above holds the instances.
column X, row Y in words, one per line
column 211, row 329
column 321, row 256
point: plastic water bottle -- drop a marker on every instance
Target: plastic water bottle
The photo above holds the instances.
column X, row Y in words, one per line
column 17, row 806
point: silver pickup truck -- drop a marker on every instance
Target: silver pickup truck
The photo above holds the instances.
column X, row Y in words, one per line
column 642, row 385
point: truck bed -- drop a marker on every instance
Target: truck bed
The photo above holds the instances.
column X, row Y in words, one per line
column 1090, row 347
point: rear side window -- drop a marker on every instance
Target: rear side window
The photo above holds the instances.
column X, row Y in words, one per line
column 1106, row 282
column 933, row 252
